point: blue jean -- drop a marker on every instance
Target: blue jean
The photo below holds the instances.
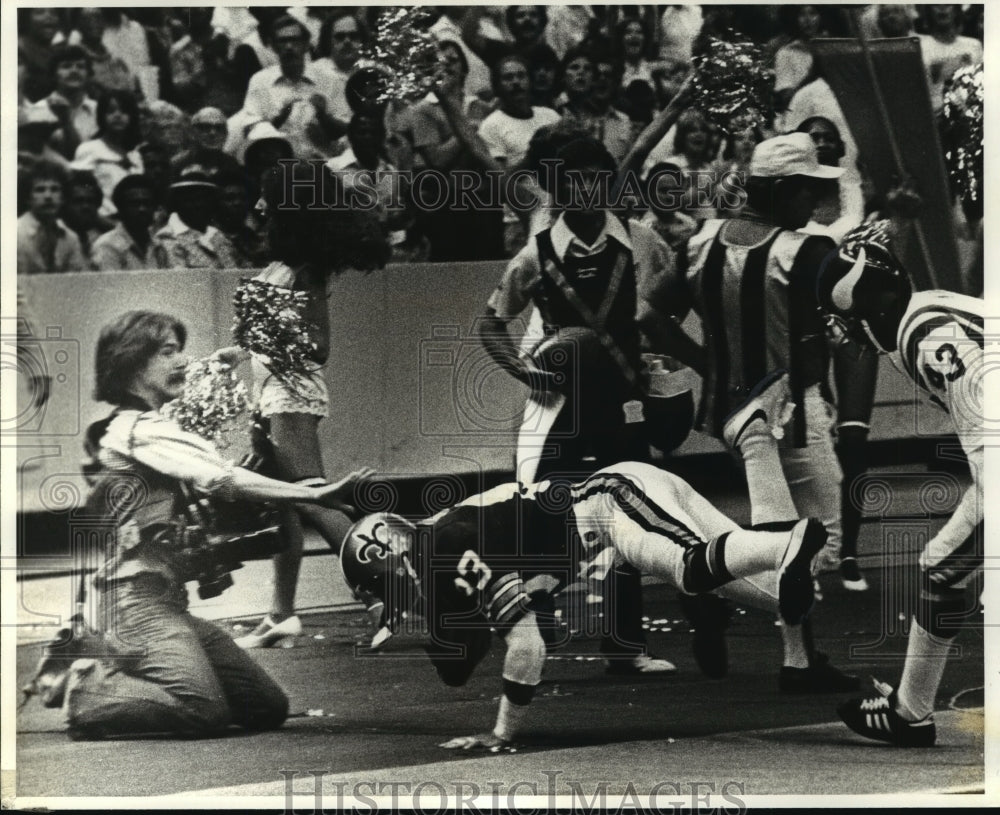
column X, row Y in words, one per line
column 189, row 678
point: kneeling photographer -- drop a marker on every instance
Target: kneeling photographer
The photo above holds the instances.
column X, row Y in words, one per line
column 181, row 674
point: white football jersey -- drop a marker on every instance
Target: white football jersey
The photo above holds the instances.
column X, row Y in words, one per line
column 940, row 343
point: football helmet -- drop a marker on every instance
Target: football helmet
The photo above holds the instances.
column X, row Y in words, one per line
column 863, row 292
column 377, row 559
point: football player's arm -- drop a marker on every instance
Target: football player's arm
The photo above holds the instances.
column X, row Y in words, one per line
column 522, row 671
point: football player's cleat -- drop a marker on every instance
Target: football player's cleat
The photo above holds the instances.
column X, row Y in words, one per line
column 864, row 291
column 795, row 583
column 377, row 561
column 768, row 403
column 876, row 718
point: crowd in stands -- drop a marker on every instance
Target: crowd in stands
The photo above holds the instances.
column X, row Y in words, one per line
column 143, row 132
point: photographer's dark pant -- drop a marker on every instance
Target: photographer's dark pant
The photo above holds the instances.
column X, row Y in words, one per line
column 609, row 444
column 191, row 678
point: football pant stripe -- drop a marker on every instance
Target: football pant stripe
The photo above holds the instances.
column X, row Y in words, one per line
column 638, row 506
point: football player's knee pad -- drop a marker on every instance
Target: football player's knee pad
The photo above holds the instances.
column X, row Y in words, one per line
column 942, row 610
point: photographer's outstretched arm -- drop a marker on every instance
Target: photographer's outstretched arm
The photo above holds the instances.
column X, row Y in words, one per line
column 256, row 487
column 159, row 443
column 522, row 671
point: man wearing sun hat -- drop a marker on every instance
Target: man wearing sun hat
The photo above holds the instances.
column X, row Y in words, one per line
column 190, row 237
column 751, row 280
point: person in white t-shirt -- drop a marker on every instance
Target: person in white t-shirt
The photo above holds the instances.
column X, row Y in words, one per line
column 508, row 130
column 944, row 51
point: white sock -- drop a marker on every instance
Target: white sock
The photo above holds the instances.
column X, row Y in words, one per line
column 926, row 657
column 796, row 654
column 770, row 499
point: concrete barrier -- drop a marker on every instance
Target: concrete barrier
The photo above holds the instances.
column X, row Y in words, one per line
column 411, row 393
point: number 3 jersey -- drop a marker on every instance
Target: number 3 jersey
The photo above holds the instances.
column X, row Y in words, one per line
column 478, row 563
column 940, row 344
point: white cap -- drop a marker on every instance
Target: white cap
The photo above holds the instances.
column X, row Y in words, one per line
column 791, row 154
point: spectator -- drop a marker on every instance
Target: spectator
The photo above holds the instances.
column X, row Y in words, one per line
column 75, row 110
column 693, row 149
column 82, row 199
column 156, row 168
column 364, row 93
column 44, row 243
column 363, row 166
column 236, row 220
column 295, row 96
column 733, row 168
column 632, row 47
column 466, row 232
column 266, row 146
column 36, row 29
column 844, row 208
column 250, row 39
column 447, row 27
column 108, row 72
column 614, row 128
column 793, row 62
column 543, row 68
column 569, row 27
column 208, row 128
column 112, row 155
column 190, row 238
column 312, row 19
column 340, row 42
column 126, row 39
column 894, row 20
column 36, row 124
column 508, row 130
column 665, row 191
column 679, row 26
column 200, row 69
column 576, row 78
column 526, row 25
column 943, row 49
column 166, row 125
column 130, row 246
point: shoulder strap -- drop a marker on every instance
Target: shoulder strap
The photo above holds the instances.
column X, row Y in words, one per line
column 551, row 268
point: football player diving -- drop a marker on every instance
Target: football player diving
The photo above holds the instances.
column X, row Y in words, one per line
column 936, row 338
column 465, row 569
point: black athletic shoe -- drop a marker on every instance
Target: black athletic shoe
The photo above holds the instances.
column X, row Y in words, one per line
column 709, row 616
column 820, row 677
column 876, row 718
column 851, row 575
column 795, row 583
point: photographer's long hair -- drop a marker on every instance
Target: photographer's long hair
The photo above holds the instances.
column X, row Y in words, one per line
column 311, row 221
